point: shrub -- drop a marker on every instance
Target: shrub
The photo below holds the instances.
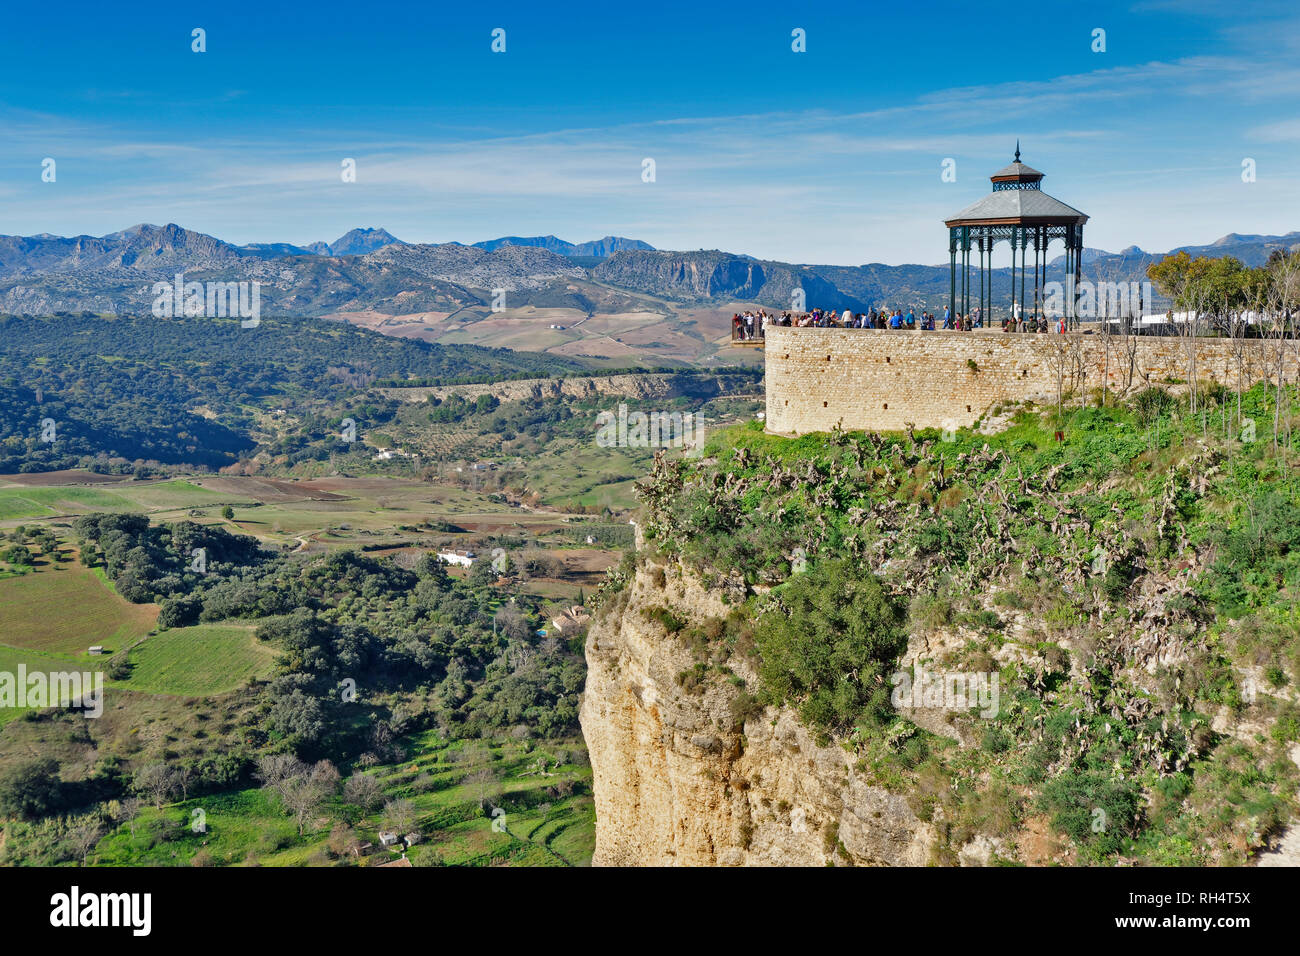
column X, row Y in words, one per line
column 832, row 647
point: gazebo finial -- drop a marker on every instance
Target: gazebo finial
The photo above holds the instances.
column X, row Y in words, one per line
column 1017, row 150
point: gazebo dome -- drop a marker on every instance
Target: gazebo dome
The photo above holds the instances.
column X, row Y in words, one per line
column 1016, row 176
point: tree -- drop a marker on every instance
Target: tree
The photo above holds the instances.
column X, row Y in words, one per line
column 31, row 788
column 228, row 513
column 126, row 810
column 301, row 795
column 156, row 781
column 1207, row 291
column 275, row 770
column 84, row 836
column 300, row 788
column 297, row 717
column 399, row 816
column 484, row 784
column 1284, row 300
column 363, row 790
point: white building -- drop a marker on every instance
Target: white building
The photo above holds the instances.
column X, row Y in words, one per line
column 463, row 558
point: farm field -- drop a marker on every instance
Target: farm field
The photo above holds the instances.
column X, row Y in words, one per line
column 290, row 514
column 65, row 609
column 661, row 333
column 32, row 499
column 12, row 657
column 198, row 661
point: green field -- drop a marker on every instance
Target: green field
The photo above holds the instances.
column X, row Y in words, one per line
column 169, row 494
column 15, row 505
column 198, row 661
column 37, row 501
column 66, row 609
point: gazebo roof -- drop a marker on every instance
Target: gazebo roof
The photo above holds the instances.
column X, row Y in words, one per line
column 1017, row 171
column 1018, row 206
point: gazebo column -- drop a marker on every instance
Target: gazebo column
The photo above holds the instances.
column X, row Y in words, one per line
column 984, row 273
column 1067, row 306
column 952, row 271
column 1036, row 258
column 1014, row 232
column 965, row 270
column 1040, row 281
column 1024, row 262
column 1078, row 272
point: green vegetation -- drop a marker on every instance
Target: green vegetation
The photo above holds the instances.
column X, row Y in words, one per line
column 1132, row 585
column 330, row 660
column 830, row 652
column 66, row 610
column 135, row 389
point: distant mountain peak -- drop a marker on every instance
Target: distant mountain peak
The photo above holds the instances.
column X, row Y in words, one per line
column 360, row 241
column 599, row 248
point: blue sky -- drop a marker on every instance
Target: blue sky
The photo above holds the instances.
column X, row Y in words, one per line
column 830, row 156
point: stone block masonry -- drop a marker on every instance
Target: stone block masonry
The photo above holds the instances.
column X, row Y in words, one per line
column 882, row 380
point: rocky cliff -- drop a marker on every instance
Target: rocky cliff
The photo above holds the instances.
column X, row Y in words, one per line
column 653, row 385
column 686, row 774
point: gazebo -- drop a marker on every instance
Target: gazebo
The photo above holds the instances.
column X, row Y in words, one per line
column 1020, row 212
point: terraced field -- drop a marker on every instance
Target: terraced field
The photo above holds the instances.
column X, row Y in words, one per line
column 545, row 820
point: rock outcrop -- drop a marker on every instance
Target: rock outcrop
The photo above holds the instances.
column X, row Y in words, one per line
column 652, row 385
column 681, row 780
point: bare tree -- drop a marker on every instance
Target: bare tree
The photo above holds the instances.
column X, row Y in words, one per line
column 400, row 815
column 484, row 784
column 184, row 775
column 1284, row 299
column 363, row 790
column 1058, row 358
column 301, row 796
column 127, row 810
column 276, row 771
column 156, row 781
column 1238, row 328
column 325, row 775
column 83, row 837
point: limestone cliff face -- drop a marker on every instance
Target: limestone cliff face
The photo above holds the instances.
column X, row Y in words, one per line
column 634, row 386
column 678, row 781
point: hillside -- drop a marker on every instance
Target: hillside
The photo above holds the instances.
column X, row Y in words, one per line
column 125, row 391
column 1099, row 630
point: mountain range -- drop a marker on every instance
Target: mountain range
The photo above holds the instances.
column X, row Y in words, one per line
column 371, row 270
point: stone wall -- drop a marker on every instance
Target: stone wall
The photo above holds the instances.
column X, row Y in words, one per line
column 881, row 379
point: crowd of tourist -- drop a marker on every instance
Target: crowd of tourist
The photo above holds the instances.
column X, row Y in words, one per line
column 752, row 325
